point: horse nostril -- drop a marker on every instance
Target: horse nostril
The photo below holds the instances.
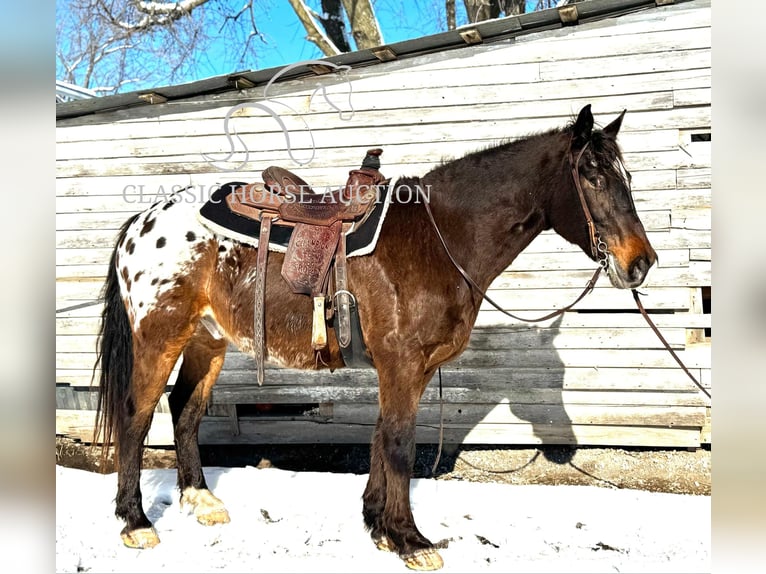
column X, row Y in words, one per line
column 639, row 268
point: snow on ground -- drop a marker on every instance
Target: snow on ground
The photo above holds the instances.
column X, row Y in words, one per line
column 283, row 521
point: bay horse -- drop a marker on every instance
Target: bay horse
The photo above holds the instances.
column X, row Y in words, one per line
column 175, row 288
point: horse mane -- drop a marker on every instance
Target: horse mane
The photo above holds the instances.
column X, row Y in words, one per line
column 503, row 145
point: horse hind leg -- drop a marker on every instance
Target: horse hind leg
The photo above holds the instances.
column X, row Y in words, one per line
column 156, row 349
column 202, row 361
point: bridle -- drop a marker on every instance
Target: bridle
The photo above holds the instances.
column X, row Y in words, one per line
column 600, row 252
column 598, row 246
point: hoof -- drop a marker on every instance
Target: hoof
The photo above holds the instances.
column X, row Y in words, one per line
column 384, row 544
column 140, row 538
column 426, row 559
column 220, row 516
column 207, row 508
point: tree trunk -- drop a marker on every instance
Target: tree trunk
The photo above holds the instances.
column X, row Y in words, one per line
column 514, row 7
column 364, row 24
column 332, row 20
column 480, row 10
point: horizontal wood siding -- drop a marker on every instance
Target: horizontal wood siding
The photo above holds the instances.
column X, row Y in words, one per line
column 597, row 376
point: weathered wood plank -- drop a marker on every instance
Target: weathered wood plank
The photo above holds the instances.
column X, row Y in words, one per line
column 82, row 257
column 519, row 338
column 692, row 273
column 694, row 357
column 692, row 198
column 509, row 412
column 546, row 47
column 64, row 397
column 465, row 387
column 307, row 432
column 693, row 178
column 695, row 219
column 634, row 63
column 691, row 97
column 706, row 435
column 668, row 298
column 89, row 197
column 697, row 356
column 217, row 430
column 533, row 268
column 700, row 254
column 602, row 298
column 201, row 120
column 193, row 163
column 505, row 379
column 594, row 322
column 326, row 128
column 440, row 128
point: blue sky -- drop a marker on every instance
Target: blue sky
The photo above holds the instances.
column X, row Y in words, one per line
column 282, row 39
column 284, row 35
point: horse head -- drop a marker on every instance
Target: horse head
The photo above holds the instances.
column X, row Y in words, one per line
column 599, row 214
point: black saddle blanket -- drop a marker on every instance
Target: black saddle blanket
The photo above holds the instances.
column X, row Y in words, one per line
column 216, row 216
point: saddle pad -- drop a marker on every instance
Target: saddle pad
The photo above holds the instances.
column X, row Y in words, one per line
column 216, row 216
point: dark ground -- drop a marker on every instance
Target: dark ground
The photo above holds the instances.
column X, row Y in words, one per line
column 658, row 470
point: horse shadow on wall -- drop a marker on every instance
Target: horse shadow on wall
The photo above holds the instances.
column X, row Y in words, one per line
column 505, row 390
column 512, row 381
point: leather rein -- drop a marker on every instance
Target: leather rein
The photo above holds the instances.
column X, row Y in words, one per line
column 599, row 250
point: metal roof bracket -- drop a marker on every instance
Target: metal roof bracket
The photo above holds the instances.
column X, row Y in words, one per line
column 568, row 14
column 471, row 36
column 321, row 69
column 153, row 98
column 383, row 53
column 240, row 82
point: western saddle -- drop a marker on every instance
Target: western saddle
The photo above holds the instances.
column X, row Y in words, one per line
column 320, row 222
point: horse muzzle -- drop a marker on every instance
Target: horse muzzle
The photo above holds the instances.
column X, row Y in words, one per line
column 632, row 275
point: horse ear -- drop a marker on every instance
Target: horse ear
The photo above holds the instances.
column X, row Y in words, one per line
column 612, row 129
column 583, row 127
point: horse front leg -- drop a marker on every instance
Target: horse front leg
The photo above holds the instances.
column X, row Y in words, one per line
column 386, row 501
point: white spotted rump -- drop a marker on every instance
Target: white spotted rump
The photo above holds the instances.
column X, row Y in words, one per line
column 160, row 247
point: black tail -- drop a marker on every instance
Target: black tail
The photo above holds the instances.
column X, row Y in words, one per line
column 114, row 354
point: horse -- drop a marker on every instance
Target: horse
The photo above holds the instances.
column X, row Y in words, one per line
column 175, row 288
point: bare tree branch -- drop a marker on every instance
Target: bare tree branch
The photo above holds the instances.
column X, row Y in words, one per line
column 159, row 13
column 313, row 32
column 168, row 40
column 449, row 7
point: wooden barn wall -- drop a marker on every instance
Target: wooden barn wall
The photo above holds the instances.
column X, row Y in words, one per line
column 594, row 377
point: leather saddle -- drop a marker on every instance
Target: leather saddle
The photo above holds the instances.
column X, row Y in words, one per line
column 320, row 222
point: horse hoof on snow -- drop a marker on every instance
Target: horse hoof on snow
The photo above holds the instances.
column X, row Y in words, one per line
column 207, row 508
column 426, row 559
column 140, row 538
column 384, row 544
column 213, row 517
